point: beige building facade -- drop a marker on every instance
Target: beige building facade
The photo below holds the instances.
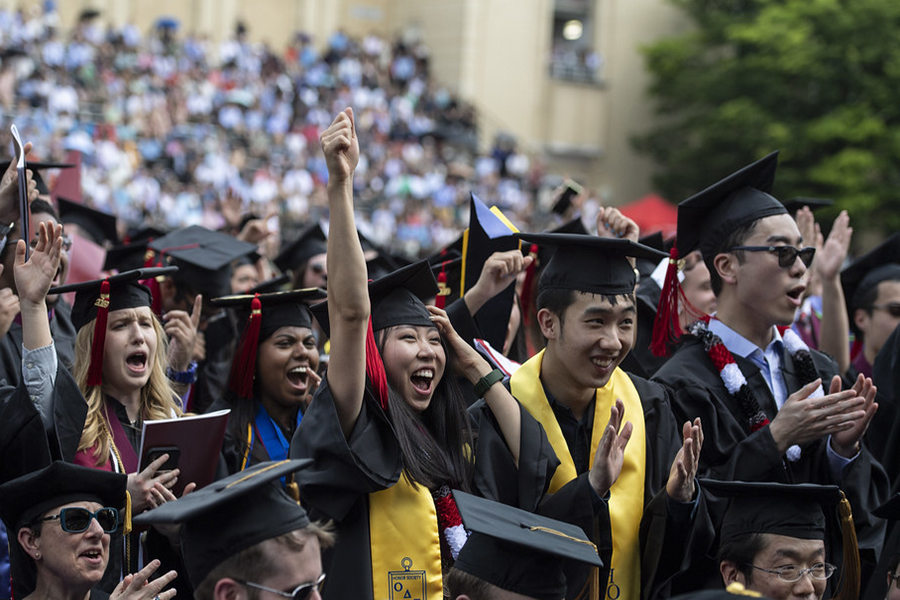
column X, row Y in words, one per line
column 564, row 77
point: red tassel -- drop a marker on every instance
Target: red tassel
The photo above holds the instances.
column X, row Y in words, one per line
column 528, row 313
column 153, row 284
column 666, row 328
column 240, row 380
column 95, row 371
column 440, row 300
column 855, row 348
column 375, row 368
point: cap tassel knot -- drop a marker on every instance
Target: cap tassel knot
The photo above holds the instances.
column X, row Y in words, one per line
column 440, row 301
column 240, row 380
column 95, row 371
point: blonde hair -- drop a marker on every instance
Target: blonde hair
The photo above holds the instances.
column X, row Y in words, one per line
column 158, row 399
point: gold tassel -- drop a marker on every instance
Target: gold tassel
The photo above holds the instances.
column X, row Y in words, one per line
column 738, row 589
column 293, row 491
column 127, row 521
column 850, row 575
column 595, row 584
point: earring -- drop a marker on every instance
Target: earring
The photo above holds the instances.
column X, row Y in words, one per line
column 37, row 556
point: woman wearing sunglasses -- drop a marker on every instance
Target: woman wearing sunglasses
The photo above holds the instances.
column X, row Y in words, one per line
column 63, row 520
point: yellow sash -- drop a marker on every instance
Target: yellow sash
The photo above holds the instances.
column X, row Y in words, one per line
column 405, row 543
column 626, row 503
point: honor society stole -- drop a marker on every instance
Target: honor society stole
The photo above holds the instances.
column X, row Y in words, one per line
column 626, row 502
column 405, row 543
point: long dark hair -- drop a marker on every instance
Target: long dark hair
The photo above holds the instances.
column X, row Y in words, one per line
column 437, row 443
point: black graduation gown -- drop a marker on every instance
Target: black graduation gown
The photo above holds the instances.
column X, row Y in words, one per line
column 61, row 329
column 236, row 437
column 668, row 545
column 213, row 372
column 344, row 472
column 731, row 452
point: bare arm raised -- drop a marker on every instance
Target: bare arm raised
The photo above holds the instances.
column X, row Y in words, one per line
column 348, row 296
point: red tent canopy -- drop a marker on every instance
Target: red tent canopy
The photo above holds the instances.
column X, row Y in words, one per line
column 652, row 213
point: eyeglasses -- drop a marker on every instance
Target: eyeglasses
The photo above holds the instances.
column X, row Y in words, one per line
column 893, row 580
column 301, row 592
column 76, row 519
column 66, row 243
column 892, row 307
column 787, row 255
column 793, row 573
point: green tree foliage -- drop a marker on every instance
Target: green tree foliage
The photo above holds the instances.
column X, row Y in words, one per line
column 817, row 79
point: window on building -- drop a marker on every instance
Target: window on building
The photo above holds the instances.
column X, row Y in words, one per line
column 574, row 55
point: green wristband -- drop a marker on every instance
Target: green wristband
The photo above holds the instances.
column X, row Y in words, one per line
column 485, row 383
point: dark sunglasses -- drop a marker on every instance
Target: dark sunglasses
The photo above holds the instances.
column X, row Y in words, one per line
column 76, row 519
column 787, row 255
column 893, row 308
column 301, row 592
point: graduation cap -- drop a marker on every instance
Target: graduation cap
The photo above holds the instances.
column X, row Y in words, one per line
column 795, row 204
column 489, row 231
column 203, row 257
column 860, row 277
column 589, row 264
column 25, row 499
column 519, row 551
column 311, row 242
column 569, row 190
column 231, row 515
column 126, row 257
column 95, row 299
column 397, row 298
column 805, row 511
column 100, row 226
column 264, row 314
column 705, row 220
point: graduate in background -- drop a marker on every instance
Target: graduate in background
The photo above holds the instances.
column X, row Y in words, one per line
column 387, row 428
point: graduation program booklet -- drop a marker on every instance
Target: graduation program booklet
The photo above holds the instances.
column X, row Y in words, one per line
column 193, row 444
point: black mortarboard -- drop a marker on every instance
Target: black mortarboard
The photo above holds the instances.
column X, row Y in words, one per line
column 309, row 243
column 569, row 190
column 489, row 231
column 882, row 263
column 125, row 291
column 203, row 257
column 795, row 204
column 575, row 226
column 380, row 265
column 26, row 498
column 231, row 515
column 263, row 315
column 397, row 298
column 126, row 257
column 590, row 264
column 519, row 551
column 448, row 252
column 706, row 219
column 99, row 225
column 38, row 166
column 95, row 299
column 146, row 232
column 806, row 511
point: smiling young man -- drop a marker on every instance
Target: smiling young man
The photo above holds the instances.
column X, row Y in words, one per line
column 586, row 311
column 773, row 408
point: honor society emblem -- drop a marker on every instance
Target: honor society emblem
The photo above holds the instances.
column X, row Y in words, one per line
column 407, row 584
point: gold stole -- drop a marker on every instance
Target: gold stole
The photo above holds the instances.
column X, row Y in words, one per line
column 626, row 503
column 405, row 543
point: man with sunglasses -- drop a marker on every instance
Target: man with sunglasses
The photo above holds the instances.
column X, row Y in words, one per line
column 773, row 409
column 244, row 534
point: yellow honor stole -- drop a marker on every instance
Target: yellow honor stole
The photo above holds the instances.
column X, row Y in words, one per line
column 626, row 502
column 405, row 543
